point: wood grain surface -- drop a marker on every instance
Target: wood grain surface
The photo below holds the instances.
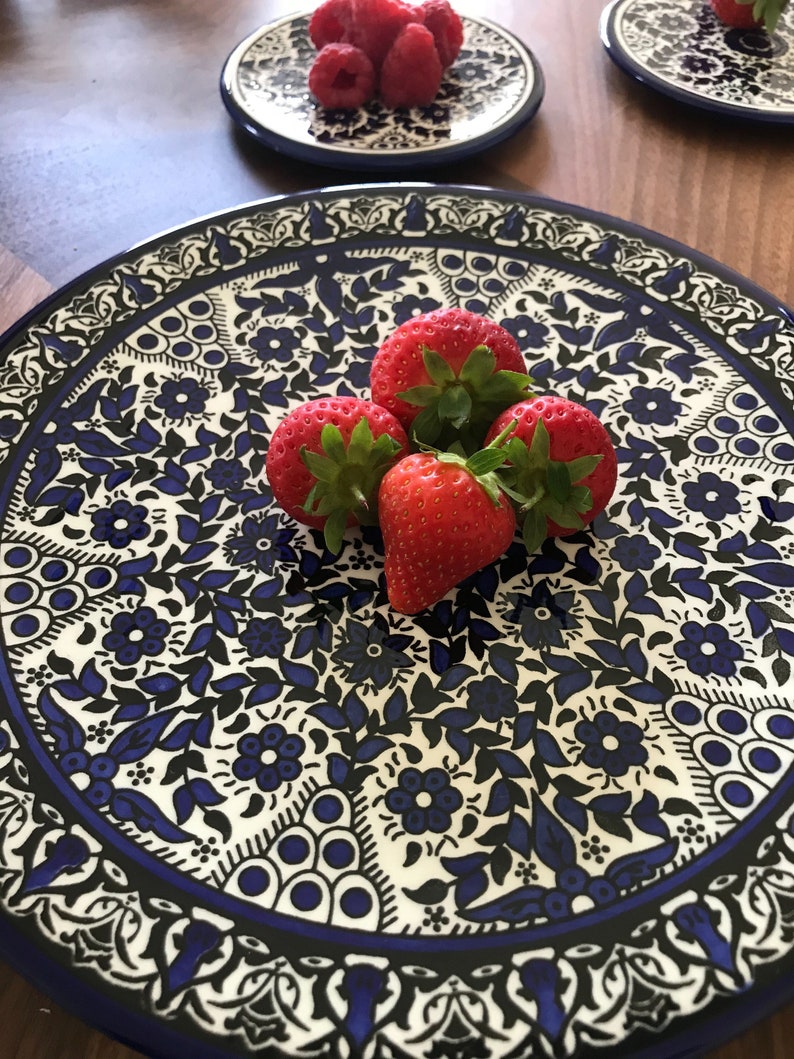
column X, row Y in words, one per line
column 112, row 129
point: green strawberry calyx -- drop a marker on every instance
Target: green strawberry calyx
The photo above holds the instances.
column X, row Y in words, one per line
column 766, row 11
column 543, row 488
column 481, row 465
column 347, row 477
column 460, row 408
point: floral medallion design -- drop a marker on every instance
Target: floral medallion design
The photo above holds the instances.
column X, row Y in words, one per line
column 549, row 815
column 494, row 87
column 683, row 49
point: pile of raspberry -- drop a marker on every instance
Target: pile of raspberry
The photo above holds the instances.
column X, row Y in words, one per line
column 384, row 49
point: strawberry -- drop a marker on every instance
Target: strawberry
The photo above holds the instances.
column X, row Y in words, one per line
column 750, row 14
column 561, row 466
column 443, row 517
column 447, row 374
column 326, row 459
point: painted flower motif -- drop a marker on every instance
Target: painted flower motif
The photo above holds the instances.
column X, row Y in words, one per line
column 412, row 305
column 262, row 542
column 61, row 431
column 273, row 392
column 642, row 459
column 653, row 404
column 635, row 552
column 492, row 699
column 370, row 654
column 265, row 637
column 543, row 616
column 275, row 343
column 270, row 758
column 182, row 397
column 358, row 374
column 697, row 64
column 120, row 524
column 529, row 333
column 424, row 800
column 136, row 633
column 712, row 496
column 611, row 744
column 708, row 649
column 227, row 474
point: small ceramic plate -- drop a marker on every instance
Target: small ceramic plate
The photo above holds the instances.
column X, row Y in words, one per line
column 248, row 809
column 493, row 89
column 682, row 49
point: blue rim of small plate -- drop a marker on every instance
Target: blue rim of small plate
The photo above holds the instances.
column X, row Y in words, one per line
column 388, row 161
column 646, row 77
column 35, row 959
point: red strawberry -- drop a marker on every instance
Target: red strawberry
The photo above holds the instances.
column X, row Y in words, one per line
column 750, row 14
column 326, row 459
column 342, row 77
column 331, row 23
column 411, row 71
column 443, row 518
column 377, row 23
column 562, row 469
column 447, row 374
column 736, row 14
column 446, row 27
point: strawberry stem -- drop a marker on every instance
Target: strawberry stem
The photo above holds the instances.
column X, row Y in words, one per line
column 347, row 477
column 542, row 488
column 462, row 407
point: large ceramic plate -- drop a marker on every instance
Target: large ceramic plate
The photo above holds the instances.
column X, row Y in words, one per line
column 494, row 88
column 682, row 49
column 245, row 807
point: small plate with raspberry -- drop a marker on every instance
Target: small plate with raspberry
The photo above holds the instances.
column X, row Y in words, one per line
column 729, row 57
column 381, row 84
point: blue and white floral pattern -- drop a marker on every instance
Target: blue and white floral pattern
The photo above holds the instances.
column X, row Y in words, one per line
column 494, row 87
column 235, row 783
column 683, row 49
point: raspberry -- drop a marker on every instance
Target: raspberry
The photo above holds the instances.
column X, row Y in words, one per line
column 342, row 77
column 331, row 23
column 376, row 24
column 411, row 73
column 446, row 27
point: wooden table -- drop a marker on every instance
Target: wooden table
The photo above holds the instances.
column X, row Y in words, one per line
column 112, row 129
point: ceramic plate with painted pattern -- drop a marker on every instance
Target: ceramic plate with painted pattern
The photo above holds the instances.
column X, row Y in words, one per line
column 493, row 89
column 245, row 808
column 682, row 49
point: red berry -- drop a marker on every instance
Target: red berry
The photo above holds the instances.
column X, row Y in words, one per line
column 376, row 24
column 415, row 387
column 446, row 27
column 440, row 524
column 339, row 475
column 331, row 23
column 740, row 16
column 411, row 72
column 574, row 434
column 342, row 77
